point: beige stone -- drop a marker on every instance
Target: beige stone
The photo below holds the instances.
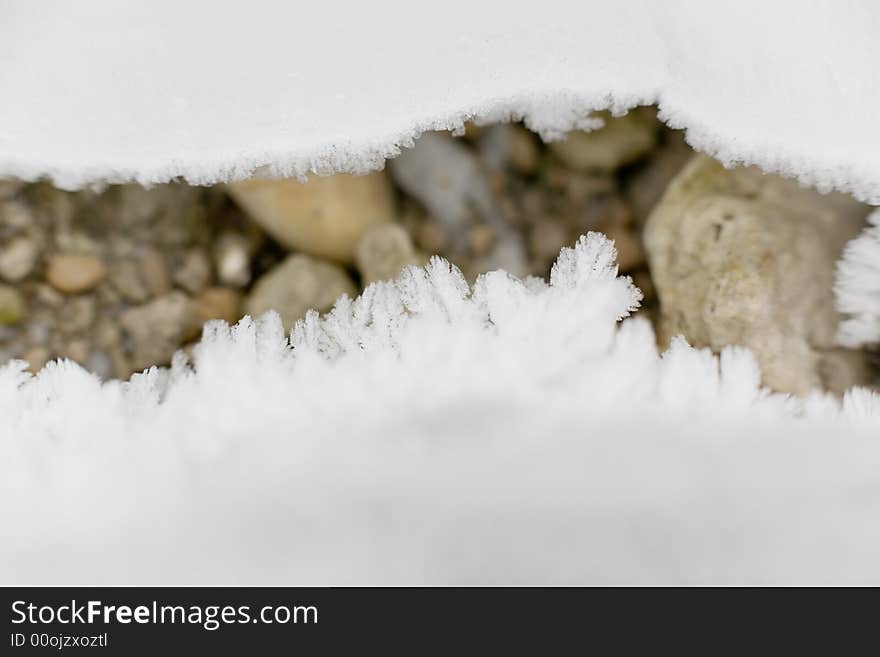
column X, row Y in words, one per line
column 743, row 258
column 12, row 306
column 72, row 274
column 383, row 251
column 325, row 216
column 297, row 284
column 219, row 303
column 17, row 259
column 621, row 140
column 432, row 237
column 481, row 239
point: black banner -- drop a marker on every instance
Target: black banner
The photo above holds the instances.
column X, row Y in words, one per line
column 151, row 621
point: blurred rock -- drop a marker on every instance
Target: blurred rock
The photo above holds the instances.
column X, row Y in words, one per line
column 17, row 259
column 15, row 214
column 325, row 216
column 299, row 283
column 630, row 253
column 73, row 274
column 446, row 177
column 9, row 188
column 432, row 238
column 36, row 357
column 157, row 329
column 546, row 238
column 232, row 259
column 12, row 306
column 383, row 251
column 219, row 303
column 77, row 314
column 509, row 145
column 622, row 140
column 481, row 239
column 194, row 272
column 77, row 350
column 154, row 272
column 125, row 277
column 646, row 186
column 742, row 258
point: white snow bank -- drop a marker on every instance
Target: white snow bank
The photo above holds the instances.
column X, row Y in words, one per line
column 210, row 91
column 424, row 433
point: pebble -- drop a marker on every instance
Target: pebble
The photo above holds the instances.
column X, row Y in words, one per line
column 36, row 358
column 77, row 350
column 194, row 273
column 481, row 239
column 605, row 212
column 509, row 145
column 446, row 177
column 524, row 155
column 743, row 258
column 547, row 237
column 325, row 216
column 17, row 259
column 125, row 276
column 299, row 283
column 158, row 328
column 232, row 259
column 622, row 140
column 432, row 238
column 12, row 306
column 383, row 251
column 73, row 274
column 219, row 303
column 15, row 214
column 630, row 252
column 10, row 188
column 154, row 272
column 77, row 314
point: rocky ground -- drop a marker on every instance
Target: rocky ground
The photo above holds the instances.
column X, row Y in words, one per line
column 120, row 279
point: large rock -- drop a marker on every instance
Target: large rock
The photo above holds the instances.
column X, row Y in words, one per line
column 325, row 216
column 743, row 258
column 296, row 285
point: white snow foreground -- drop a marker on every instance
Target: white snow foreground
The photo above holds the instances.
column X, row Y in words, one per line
column 857, row 288
column 428, row 433
column 104, row 91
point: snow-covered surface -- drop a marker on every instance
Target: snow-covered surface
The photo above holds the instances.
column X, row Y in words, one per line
column 148, row 91
column 857, row 288
column 425, row 433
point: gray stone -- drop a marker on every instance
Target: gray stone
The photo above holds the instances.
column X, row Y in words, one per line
column 297, row 284
column 194, row 272
column 743, row 258
column 383, row 251
column 157, row 329
column 447, row 179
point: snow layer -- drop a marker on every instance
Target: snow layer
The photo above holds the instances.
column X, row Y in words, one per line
column 427, row 433
column 857, row 288
column 211, row 91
